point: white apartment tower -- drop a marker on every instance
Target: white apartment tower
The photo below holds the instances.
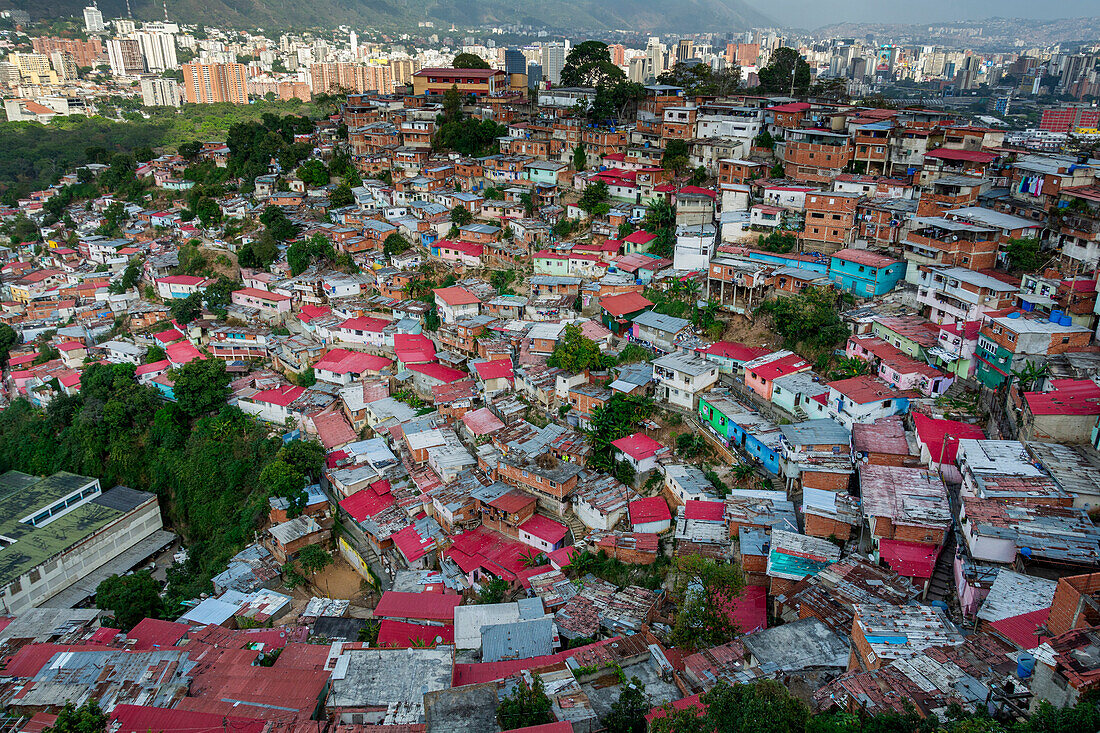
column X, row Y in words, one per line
column 93, row 20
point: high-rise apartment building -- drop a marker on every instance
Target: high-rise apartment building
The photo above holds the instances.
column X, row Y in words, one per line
column 125, row 57
column 34, row 68
column 210, row 83
column 356, row 78
column 685, row 50
column 93, row 20
column 553, row 61
column 85, row 53
column 158, row 51
column 160, row 92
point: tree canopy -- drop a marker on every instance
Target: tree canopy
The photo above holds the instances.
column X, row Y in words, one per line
column 88, row 718
column 527, row 705
column 469, row 61
column 589, row 65
column 130, row 598
column 809, row 317
column 201, row 386
column 776, row 77
column 617, row 418
column 706, row 590
column 1024, row 255
column 700, row 79
column 575, row 352
column 675, row 156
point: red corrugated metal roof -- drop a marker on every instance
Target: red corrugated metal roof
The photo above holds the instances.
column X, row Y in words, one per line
column 780, row 367
column 402, row 635
column 427, row 606
column 1067, row 397
column 143, row 718
column 910, row 559
column 456, row 296
column 708, row 511
column 971, row 156
column 366, row 503
column 544, row 528
column 438, row 371
column 1020, row 630
column 469, row 674
column 649, row 509
column 624, row 303
column 638, row 446
column 933, row 433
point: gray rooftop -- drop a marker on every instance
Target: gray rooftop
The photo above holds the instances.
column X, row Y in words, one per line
column 801, row 645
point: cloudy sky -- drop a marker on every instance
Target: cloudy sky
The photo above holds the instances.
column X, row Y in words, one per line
column 815, row 13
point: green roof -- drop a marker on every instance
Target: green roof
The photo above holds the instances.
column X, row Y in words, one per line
column 21, row 495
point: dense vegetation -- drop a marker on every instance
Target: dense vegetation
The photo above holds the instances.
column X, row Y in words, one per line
column 204, row 460
column 33, row 155
column 767, row 706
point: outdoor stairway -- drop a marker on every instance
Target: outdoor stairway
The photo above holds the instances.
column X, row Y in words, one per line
column 576, row 526
column 943, row 581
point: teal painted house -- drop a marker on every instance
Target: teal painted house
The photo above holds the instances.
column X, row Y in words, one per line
column 864, row 273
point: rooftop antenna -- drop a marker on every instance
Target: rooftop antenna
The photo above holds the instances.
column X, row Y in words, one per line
column 128, row 13
column 165, row 11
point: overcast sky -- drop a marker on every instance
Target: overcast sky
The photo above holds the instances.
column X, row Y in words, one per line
column 815, row 13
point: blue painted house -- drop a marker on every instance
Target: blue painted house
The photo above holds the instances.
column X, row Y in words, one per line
column 742, row 428
column 864, row 273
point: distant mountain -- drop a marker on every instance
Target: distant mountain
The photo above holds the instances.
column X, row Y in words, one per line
column 642, row 15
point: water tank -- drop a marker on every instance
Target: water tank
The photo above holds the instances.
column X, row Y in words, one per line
column 1014, row 314
column 1025, row 665
column 1065, row 320
column 1055, row 315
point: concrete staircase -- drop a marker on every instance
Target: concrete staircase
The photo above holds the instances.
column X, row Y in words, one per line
column 942, row 584
column 577, row 528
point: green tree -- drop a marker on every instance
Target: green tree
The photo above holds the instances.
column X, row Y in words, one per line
column 809, row 317
column 580, row 158
column 691, row 445
column 190, row 149
column 700, row 79
column 9, row 337
column 452, row 104
column 313, row 172
column 341, row 196
column 260, row 252
column 155, row 353
column 778, row 241
column 627, row 714
column 786, row 65
column 1024, row 255
column 395, row 244
column 526, row 706
column 765, row 706
column 185, row 310
column 675, row 156
column 461, row 216
column 575, row 352
column 285, row 481
column 706, row 590
column 492, row 592
column 617, row 418
column 201, row 386
column 660, row 219
column 130, row 598
column 88, row 718
column 314, row 559
column 589, row 65
column 690, row 720
column 764, row 140
column 307, row 378
column 277, row 223
column 469, row 61
column 594, row 199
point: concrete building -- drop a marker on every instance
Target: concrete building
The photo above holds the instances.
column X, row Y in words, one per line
column 210, row 83
column 64, row 528
column 160, row 92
